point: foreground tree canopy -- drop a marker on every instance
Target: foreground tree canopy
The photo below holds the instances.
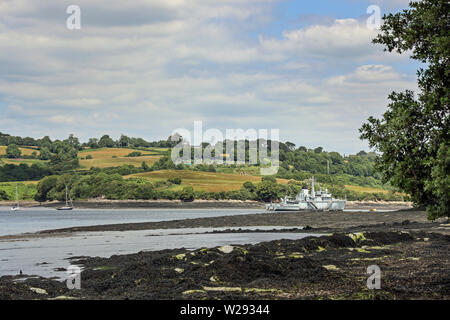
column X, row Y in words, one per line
column 413, row 134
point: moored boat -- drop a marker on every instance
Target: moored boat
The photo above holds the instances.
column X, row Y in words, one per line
column 17, row 206
column 320, row 200
column 67, row 206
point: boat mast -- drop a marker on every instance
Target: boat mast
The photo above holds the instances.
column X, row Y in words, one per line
column 313, row 192
column 17, row 197
column 68, row 198
column 67, row 204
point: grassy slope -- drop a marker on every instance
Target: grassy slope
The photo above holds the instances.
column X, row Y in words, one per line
column 25, row 151
column 103, row 157
column 226, row 179
column 365, row 189
column 19, row 161
column 372, row 190
column 199, row 180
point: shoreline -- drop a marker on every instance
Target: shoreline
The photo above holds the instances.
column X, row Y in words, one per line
column 412, row 252
column 196, row 204
column 310, row 220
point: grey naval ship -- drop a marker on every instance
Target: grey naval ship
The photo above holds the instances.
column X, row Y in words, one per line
column 315, row 200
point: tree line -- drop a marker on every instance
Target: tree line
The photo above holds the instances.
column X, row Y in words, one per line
column 104, row 141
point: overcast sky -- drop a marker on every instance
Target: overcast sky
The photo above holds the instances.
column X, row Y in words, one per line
column 146, row 67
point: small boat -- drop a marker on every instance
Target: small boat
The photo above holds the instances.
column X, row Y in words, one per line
column 67, row 206
column 64, row 208
column 17, row 206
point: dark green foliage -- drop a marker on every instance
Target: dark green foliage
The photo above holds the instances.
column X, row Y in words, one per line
column 106, row 142
column 318, row 150
column 413, row 134
column 13, row 151
column 123, row 170
column 92, row 143
column 164, row 163
column 3, row 195
column 134, row 154
column 63, row 162
column 249, row 186
column 187, row 194
column 316, row 161
column 268, row 191
column 145, row 166
column 270, row 179
column 23, row 172
column 6, row 139
column 62, row 154
column 44, row 187
column 175, row 180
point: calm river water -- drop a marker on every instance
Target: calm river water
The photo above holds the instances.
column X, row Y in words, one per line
column 42, row 255
column 38, row 219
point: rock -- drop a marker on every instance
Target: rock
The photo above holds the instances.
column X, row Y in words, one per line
column 331, row 267
column 226, row 249
column 38, row 290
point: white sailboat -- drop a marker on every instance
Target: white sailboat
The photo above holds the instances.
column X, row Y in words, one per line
column 66, row 207
column 17, row 206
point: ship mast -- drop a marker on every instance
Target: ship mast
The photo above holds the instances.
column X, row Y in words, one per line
column 313, row 192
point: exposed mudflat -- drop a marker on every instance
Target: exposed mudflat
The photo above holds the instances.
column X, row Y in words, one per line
column 316, row 220
column 412, row 253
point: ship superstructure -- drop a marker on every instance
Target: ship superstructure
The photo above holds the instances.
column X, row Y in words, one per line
column 309, row 200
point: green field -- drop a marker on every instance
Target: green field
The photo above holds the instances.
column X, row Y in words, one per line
column 26, row 151
column 20, row 161
column 366, row 189
column 200, row 180
column 115, row 157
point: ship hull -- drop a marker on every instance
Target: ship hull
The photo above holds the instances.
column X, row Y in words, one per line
column 309, row 201
column 64, row 208
column 335, row 205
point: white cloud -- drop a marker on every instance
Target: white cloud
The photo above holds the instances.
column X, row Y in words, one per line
column 368, row 74
column 146, row 67
column 345, row 39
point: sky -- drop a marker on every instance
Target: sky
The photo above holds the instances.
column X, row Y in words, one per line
column 146, row 67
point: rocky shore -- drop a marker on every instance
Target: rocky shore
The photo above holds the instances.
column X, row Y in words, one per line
column 412, row 253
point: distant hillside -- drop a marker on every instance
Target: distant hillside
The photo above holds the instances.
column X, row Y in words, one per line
column 114, row 157
column 206, row 181
column 352, row 176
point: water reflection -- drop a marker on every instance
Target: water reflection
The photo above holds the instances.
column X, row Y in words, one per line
column 42, row 255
